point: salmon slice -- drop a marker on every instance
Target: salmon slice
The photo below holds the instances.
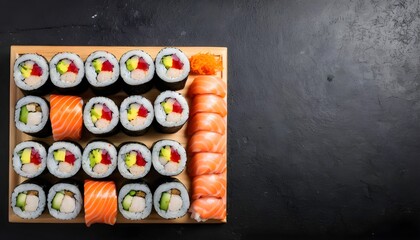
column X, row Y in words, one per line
column 208, row 103
column 100, row 202
column 208, row 208
column 66, row 117
column 208, row 85
column 207, row 122
column 212, row 185
column 206, row 163
column 204, row 141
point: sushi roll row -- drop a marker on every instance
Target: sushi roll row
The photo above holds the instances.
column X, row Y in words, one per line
column 207, row 148
column 65, row 200
column 99, row 159
column 101, row 116
column 102, row 71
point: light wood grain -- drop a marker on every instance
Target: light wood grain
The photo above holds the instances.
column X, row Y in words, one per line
column 15, row 136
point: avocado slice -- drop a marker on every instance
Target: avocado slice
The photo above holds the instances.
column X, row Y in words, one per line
column 21, row 200
column 57, row 200
column 167, row 107
column 132, row 63
column 23, row 117
column 25, row 71
column 26, row 156
column 165, row 152
column 164, row 201
column 97, row 65
column 132, row 193
column 60, row 155
column 63, row 66
column 95, row 157
column 167, row 61
column 96, row 112
column 127, row 202
column 132, row 113
column 130, row 159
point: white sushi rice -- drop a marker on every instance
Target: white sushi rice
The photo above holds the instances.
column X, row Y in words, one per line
column 148, row 201
column 161, row 69
column 87, row 119
column 18, row 77
column 56, row 76
column 126, row 74
column 141, row 101
column 45, row 111
column 184, row 196
column 159, row 167
column 160, row 114
column 77, row 196
column 53, row 165
column 91, row 74
column 145, row 152
column 17, row 164
column 112, row 151
column 24, row 187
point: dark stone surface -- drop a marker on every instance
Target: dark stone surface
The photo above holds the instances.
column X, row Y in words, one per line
column 324, row 105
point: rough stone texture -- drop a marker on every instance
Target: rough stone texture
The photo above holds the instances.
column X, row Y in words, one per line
column 324, row 128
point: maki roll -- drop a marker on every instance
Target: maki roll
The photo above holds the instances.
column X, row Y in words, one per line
column 172, row 68
column 31, row 116
column 29, row 159
column 137, row 70
column 67, row 72
column 134, row 160
column 30, row 73
column 102, row 72
column 171, row 200
column 28, row 200
column 135, row 201
column 171, row 111
column 169, row 157
column 64, row 159
column 136, row 115
column 99, row 159
column 101, row 116
column 64, row 201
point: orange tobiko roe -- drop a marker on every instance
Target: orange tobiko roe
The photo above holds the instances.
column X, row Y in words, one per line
column 205, row 64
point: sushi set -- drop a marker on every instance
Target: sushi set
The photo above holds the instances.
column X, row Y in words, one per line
column 118, row 134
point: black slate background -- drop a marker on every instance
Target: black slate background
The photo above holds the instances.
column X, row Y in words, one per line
column 324, row 105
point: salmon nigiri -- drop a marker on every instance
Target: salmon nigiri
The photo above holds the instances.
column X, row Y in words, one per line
column 208, row 208
column 212, row 185
column 207, row 85
column 208, row 103
column 204, row 141
column 100, row 202
column 207, row 122
column 206, row 163
column 66, row 117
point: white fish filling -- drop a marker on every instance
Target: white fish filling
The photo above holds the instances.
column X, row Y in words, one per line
column 175, row 203
column 136, row 170
column 31, row 203
column 32, row 80
column 174, row 73
column 68, row 204
column 173, row 117
column 138, row 121
column 34, row 118
column 104, row 76
column 171, row 167
column 138, row 204
column 65, row 167
column 100, row 168
column 30, row 168
column 31, row 107
column 138, row 74
column 68, row 77
column 102, row 123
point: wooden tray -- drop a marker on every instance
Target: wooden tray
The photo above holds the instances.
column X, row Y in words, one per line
column 15, row 136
